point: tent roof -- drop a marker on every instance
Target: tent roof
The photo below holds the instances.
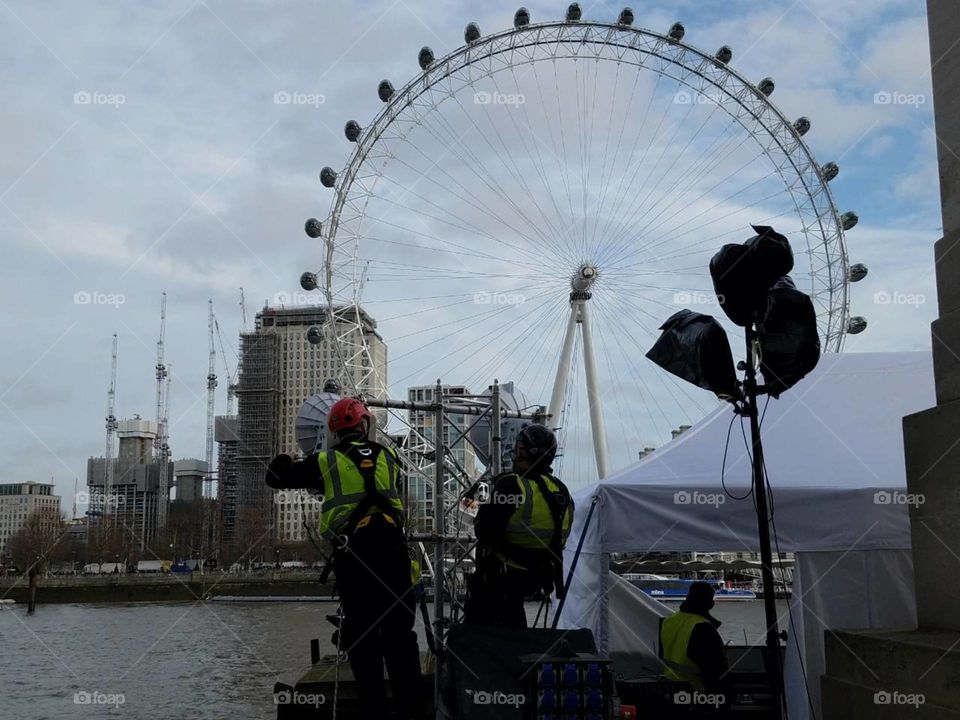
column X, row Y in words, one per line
column 833, row 447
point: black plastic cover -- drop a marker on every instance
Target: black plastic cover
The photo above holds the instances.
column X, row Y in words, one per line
column 695, row 348
column 742, row 274
column 789, row 341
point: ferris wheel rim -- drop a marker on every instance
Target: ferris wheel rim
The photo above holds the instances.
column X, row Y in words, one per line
column 830, row 234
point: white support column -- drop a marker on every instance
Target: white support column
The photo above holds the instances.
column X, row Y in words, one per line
column 563, row 368
column 593, row 394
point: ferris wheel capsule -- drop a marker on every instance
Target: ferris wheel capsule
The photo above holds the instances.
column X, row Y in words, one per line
column 313, row 227
column 352, row 130
column 385, row 90
column 857, row 272
column 308, row 281
column 425, row 58
column 849, row 220
column 830, row 171
column 766, row 86
column 802, row 125
column 626, row 17
column 328, row 177
column 314, row 335
column 521, row 18
column 724, row 54
column 676, row 32
column 856, row 325
column 574, row 13
column 471, row 33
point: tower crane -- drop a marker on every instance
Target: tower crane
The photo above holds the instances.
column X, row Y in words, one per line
column 111, row 430
column 162, row 375
column 231, row 374
column 211, row 399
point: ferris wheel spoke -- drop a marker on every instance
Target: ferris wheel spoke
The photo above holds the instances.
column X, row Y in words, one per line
column 678, row 189
column 561, row 231
column 466, row 346
column 513, row 170
column 453, row 140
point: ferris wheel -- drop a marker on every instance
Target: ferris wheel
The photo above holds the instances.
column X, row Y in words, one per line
column 533, row 205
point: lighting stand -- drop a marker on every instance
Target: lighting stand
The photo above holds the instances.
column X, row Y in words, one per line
column 750, row 393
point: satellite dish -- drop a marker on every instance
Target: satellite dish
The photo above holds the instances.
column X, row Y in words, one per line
column 510, row 399
column 312, row 433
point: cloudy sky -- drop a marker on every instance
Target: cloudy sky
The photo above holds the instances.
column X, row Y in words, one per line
column 145, row 150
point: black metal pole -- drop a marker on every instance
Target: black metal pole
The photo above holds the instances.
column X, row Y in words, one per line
column 774, row 666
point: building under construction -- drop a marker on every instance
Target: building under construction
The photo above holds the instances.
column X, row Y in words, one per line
column 136, row 502
column 279, row 369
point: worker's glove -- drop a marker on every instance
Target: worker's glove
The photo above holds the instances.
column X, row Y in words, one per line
column 278, row 468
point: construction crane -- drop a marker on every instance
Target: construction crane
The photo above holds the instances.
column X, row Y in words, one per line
column 211, row 399
column 162, row 375
column 231, row 374
column 243, row 311
column 111, row 432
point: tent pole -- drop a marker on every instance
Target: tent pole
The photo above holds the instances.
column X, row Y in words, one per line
column 576, row 556
column 774, row 663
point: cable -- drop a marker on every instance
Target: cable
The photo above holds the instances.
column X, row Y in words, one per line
column 723, row 466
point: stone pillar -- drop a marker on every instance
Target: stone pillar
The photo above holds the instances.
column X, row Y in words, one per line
column 932, row 437
column 916, row 674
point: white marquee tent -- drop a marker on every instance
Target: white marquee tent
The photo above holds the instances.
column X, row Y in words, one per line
column 834, row 454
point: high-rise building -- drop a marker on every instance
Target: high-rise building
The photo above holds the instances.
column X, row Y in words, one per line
column 225, row 432
column 139, row 494
column 18, row 501
column 419, row 444
column 279, row 369
column 188, row 477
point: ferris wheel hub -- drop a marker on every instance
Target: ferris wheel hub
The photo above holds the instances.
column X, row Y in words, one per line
column 584, row 277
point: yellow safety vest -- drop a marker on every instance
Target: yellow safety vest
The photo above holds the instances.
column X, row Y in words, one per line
column 343, row 486
column 674, row 637
column 531, row 525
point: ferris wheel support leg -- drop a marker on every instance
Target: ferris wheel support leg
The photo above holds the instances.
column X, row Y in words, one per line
column 563, row 368
column 593, row 395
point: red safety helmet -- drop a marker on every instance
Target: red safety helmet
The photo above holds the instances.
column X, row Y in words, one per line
column 347, row 414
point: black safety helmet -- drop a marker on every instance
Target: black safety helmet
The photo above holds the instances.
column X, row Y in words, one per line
column 537, row 444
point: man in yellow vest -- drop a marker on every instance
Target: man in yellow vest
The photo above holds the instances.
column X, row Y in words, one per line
column 692, row 648
column 362, row 517
column 521, row 532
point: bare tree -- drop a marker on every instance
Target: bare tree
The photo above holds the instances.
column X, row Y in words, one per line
column 39, row 541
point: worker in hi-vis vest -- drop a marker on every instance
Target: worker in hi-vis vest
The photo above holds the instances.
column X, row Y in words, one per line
column 692, row 648
column 362, row 517
column 521, row 531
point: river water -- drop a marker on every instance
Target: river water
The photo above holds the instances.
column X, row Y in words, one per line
column 167, row 661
